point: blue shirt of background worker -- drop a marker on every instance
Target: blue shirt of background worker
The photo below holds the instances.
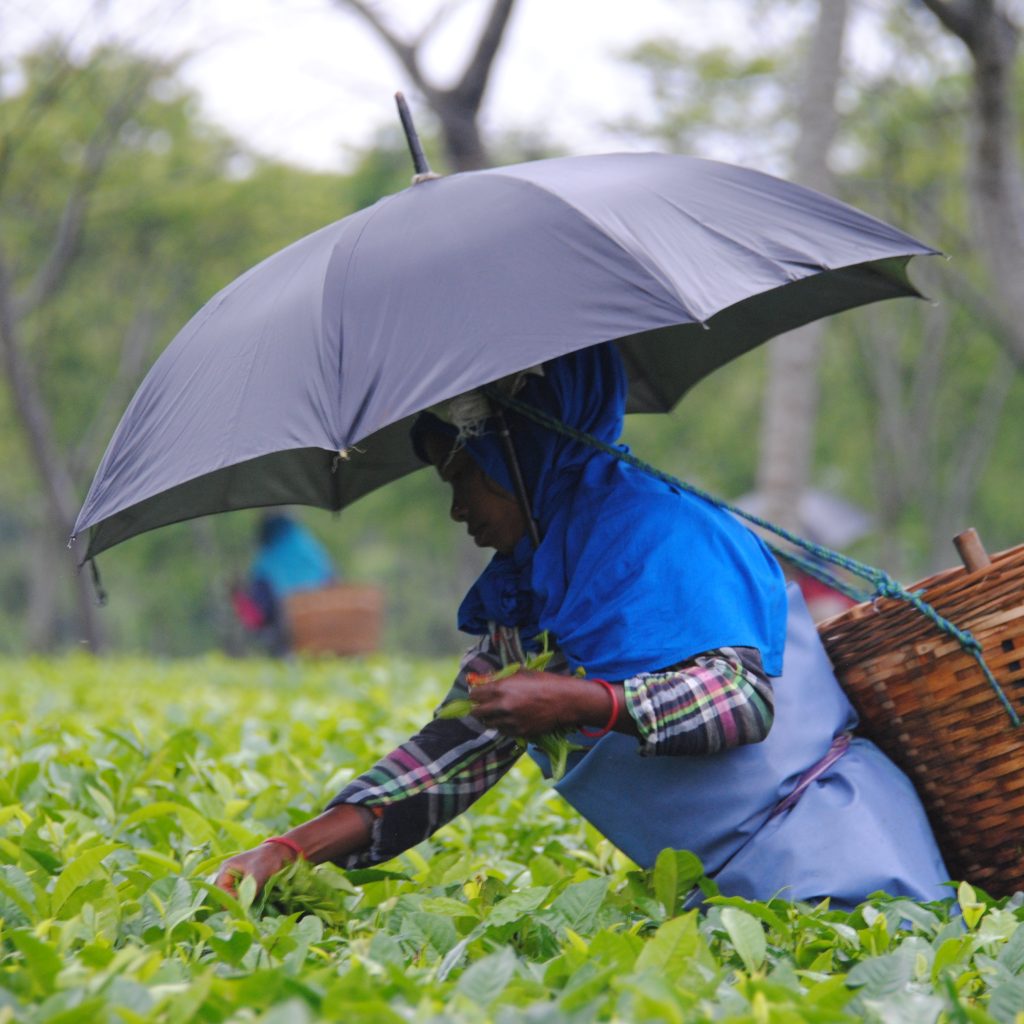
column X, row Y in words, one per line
column 289, row 559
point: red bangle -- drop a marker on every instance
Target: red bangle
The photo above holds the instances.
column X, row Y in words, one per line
column 290, row 843
column 612, row 718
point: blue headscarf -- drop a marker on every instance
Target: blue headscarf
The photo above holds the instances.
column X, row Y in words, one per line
column 631, row 574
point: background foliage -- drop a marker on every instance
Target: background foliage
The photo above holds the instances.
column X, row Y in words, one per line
column 919, row 399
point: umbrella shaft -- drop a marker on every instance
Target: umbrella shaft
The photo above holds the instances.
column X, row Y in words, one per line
column 517, row 476
column 419, row 160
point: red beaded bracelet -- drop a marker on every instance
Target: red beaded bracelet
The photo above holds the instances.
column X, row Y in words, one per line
column 290, row 843
column 612, row 718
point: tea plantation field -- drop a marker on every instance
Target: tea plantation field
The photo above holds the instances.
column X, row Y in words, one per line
column 124, row 783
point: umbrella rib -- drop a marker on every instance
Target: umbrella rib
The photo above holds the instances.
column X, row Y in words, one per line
column 735, row 243
column 653, row 271
column 664, row 284
column 250, row 368
column 373, row 212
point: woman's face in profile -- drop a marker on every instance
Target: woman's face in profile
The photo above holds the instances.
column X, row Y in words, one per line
column 492, row 514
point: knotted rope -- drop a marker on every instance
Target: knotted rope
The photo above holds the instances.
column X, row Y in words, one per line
column 882, row 584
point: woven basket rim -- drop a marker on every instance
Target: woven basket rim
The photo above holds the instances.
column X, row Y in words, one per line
column 951, row 589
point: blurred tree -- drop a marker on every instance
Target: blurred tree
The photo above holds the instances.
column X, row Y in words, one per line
column 995, row 183
column 27, row 286
column 457, row 106
column 895, row 433
column 933, row 385
column 918, row 395
column 121, row 214
column 791, row 393
column 716, row 100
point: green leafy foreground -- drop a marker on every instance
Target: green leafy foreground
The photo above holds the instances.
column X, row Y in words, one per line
column 123, row 784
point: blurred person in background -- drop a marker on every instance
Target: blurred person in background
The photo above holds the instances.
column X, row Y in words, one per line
column 288, row 559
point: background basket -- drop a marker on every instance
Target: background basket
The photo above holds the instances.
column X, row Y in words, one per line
column 340, row 620
column 925, row 701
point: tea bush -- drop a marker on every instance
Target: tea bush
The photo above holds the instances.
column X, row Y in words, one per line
column 124, row 783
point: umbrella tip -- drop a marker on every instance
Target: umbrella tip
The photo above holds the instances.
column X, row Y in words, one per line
column 419, row 161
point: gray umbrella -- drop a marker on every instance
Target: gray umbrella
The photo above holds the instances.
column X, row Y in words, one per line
column 297, row 382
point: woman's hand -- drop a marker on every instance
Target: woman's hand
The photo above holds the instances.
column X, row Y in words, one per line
column 531, row 704
column 332, row 835
column 259, row 863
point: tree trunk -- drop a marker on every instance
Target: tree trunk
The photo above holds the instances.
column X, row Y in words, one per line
column 60, row 497
column 791, row 393
column 42, row 571
column 456, row 107
column 464, row 146
column 218, row 582
column 995, row 183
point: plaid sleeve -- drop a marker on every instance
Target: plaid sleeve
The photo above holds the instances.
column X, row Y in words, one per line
column 715, row 701
column 431, row 778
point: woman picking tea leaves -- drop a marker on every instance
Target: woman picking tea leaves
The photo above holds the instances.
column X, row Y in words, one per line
column 699, row 706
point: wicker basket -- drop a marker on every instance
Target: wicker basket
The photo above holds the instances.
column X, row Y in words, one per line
column 924, row 700
column 339, row 620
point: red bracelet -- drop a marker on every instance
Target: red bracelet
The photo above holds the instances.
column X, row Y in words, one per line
column 290, row 843
column 612, row 718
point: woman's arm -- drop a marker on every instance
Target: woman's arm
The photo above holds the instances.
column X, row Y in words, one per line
column 712, row 702
column 333, row 835
column 425, row 783
column 409, row 794
column 716, row 701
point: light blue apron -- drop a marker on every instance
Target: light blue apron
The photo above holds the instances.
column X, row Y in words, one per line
column 857, row 828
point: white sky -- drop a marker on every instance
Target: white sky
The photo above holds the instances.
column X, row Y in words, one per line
column 304, row 80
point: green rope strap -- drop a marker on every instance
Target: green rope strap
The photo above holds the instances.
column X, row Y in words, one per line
column 813, row 567
column 882, row 584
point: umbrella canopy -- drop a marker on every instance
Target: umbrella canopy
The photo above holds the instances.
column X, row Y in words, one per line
column 296, row 383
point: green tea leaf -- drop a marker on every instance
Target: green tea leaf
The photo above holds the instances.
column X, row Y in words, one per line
column 516, row 906
column 673, row 946
column 483, row 982
column 1011, row 956
column 432, row 929
column 246, row 892
column 579, row 905
column 76, row 874
column 747, row 937
column 970, row 906
column 674, row 875
column 42, row 960
column 950, row 952
column 231, row 950
column 179, row 814
column 16, row 886
column 363, row 876
column 458, row 708
column 1007, row 1001
column 447, row 907
column 883, row 976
